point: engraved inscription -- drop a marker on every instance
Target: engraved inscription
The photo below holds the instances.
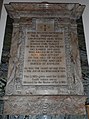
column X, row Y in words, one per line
column 44, row 59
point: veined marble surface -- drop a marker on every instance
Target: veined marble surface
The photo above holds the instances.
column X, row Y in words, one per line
column 44, row 105
column 23, row 100
column 16, row 63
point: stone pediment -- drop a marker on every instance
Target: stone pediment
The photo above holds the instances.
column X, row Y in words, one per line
column 16, row 9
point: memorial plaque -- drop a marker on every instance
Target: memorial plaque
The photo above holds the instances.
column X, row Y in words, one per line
column 44, row 72
column 44, row 59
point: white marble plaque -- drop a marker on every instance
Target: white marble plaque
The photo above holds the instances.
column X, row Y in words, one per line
column 44, row 59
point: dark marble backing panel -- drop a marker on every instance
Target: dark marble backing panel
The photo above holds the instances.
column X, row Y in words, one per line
column 5, row 60
column 1, row 3
column 83, row 57
column 43, row 117
column 5, row 55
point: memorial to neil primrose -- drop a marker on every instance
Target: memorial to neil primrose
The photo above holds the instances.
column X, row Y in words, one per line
column 46, row 65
